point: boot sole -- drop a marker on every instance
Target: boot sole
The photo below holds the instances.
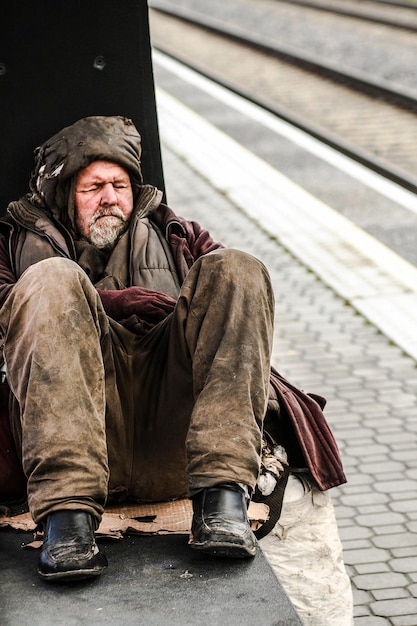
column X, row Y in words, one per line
column 70, row 575
column 225, row 549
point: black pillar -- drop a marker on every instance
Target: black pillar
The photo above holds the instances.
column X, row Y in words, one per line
column 60, row 61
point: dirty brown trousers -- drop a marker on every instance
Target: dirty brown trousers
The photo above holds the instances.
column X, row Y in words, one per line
column 101, row 412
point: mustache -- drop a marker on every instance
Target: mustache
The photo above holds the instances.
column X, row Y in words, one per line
column 113, row 211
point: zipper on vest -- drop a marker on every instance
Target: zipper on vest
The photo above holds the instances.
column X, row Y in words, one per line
column 137, row 217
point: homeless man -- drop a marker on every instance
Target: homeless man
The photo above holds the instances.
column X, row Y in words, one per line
column 137, row 353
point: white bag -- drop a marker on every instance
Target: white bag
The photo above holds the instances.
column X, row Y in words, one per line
column 305, row 552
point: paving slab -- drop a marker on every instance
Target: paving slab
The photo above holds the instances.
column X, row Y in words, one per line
column 324, row 345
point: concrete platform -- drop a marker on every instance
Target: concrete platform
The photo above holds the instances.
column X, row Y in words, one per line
column 151, row 580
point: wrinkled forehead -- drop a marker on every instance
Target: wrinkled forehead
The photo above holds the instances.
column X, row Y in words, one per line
column 102, row 171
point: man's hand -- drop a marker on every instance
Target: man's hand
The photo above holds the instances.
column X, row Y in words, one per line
column 137, row 308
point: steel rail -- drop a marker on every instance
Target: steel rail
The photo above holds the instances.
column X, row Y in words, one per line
column 373, row 16
column 405, row 100
column 360, row 81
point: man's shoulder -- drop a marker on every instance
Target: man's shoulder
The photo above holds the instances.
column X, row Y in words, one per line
column 6, row 225
column 168, row 221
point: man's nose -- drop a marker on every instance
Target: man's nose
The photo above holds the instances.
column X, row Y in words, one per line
column 108, row 194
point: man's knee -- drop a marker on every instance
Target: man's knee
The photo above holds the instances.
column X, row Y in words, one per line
column 55, row 268
column 52, row 278
column 237, row 265
column 46, row 289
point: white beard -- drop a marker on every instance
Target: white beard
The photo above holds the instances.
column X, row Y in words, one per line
column 105, row 233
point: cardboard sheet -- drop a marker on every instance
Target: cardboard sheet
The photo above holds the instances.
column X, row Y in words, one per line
column 157, row 518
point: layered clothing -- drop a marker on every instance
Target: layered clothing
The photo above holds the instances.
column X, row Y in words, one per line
column 171, row 355
column 138, row 285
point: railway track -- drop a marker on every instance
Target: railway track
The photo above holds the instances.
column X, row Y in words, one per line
column 395, row 14
column 367, row 118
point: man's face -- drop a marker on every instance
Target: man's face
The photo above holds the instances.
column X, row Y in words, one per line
column 103, row 203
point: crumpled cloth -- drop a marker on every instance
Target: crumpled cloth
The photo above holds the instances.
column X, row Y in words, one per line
column 305, row 552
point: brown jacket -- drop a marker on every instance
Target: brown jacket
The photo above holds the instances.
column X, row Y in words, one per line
column 28, row 235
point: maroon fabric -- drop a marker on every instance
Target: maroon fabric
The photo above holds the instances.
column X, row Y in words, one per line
column 12, row 479
column 314, row 436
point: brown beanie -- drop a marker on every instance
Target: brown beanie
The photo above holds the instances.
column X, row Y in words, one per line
column 90, row 139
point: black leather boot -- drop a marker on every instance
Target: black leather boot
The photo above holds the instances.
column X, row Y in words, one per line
column 220, row 524
column 69, row 550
